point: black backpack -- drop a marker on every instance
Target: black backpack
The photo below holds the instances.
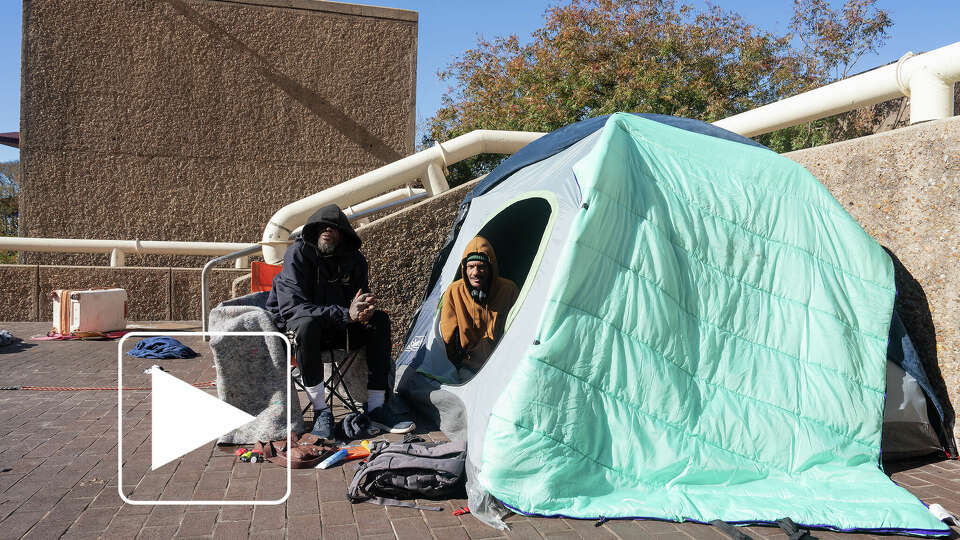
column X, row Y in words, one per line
column 410, row 470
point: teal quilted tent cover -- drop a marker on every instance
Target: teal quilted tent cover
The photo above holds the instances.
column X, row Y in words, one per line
column 713, row 347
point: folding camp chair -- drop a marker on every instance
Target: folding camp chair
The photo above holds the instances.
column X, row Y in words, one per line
column 262, row 274
column 340, row 360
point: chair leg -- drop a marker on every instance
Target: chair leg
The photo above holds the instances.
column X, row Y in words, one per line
column 298, row 385
column 298, row 376
column 340, row 369
column 336, row 381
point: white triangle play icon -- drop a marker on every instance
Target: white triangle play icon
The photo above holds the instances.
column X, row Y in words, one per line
column 185, row 418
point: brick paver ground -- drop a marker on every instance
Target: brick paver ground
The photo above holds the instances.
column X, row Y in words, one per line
column 58, row 457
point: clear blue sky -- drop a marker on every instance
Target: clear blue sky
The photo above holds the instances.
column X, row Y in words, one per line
column 448, row 28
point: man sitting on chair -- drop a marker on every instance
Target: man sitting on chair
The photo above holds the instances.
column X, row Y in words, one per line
column 322, row 295
column 475, row 309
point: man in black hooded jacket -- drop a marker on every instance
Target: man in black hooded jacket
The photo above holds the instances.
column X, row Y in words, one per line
column 321, row 295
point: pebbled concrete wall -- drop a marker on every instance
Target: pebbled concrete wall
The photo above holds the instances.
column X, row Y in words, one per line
column 18, row 292
column 197, row 119
column 155, row 294
column 903, row 187
column 400, row 250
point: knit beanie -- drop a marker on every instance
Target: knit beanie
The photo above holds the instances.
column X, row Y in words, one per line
column 477, row 256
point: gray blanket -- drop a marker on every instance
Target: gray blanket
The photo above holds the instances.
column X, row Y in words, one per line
column 252, row 370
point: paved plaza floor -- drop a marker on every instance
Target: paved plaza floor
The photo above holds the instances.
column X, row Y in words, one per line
column 58, row 457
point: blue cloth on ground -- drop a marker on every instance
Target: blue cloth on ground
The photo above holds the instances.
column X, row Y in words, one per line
column 6, row 338
column 162, row 347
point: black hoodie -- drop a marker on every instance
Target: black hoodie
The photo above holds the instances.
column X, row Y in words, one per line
column 315, row 285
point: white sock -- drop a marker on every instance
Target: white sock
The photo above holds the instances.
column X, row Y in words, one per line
column 316, row 395
column 375, row 398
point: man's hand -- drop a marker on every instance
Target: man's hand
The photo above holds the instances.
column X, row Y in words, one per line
column 367, row 314
column 357, row 305
column 361, row 308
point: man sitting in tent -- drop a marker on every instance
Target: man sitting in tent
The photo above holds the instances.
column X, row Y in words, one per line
column 475, row 309
column 321, row 295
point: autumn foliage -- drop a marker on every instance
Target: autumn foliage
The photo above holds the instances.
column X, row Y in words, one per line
column 595, row 57
column 9, row 209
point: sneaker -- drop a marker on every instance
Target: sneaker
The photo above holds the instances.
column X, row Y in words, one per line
column 389, row 421
column 323, row 424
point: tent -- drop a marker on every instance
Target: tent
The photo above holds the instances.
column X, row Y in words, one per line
column 914, row 420
column 701, row 334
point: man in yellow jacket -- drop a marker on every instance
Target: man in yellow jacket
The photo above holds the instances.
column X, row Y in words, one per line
column 475, row 308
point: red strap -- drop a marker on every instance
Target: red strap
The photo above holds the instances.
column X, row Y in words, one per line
column 461, row 511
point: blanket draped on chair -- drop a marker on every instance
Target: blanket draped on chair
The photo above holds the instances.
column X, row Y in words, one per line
column 252, row 370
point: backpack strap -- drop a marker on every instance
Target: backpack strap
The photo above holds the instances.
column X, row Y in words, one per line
column 64, row 297
column 394, row 502
column 730, row 530
column 793, row 530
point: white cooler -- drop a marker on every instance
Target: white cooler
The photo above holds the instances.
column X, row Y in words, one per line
column 95, row 310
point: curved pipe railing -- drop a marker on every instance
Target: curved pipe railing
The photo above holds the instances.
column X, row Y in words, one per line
column 427, row 164
column 927, row 79
column 119, row 248
column 205, row 285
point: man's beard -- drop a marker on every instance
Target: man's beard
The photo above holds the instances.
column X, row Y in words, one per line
column 326, row 248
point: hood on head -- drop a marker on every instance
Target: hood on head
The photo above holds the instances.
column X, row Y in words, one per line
column 480, row 244
column 331, row 215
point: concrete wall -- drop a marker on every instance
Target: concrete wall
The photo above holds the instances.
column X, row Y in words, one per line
column 197, row 119
column 903, row 187
column 401, row 249
column 155, row 294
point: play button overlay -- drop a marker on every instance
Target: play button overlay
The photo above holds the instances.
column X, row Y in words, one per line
column 166, row 448
column 186, row 418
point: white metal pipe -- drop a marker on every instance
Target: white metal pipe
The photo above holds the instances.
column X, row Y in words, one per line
column 389, row 176
column 205, row 275
column 364, row 216
column 65, row 245
column 117, row 257
column 436, row 181
column 914, row 74
column 382, row 200
column 931, row 97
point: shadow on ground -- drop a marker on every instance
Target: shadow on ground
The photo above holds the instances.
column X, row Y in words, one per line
column 16, row 346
